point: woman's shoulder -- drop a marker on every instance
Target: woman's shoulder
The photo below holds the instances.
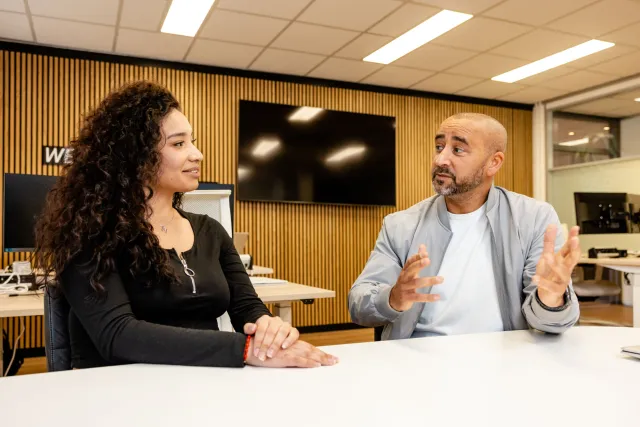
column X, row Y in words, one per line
column 202, row 223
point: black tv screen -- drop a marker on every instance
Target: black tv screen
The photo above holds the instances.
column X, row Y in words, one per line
column 302, row 154
column 24, row 198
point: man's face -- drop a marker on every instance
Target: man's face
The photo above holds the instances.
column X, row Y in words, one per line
column 460, row 157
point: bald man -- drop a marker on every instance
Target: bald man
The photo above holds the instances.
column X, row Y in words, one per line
column 475, row 257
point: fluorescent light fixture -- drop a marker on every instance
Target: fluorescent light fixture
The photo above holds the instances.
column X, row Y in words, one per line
column 571, row 133
column 575, row 142
column 346, row 153
column 433, row 27
column 305, row 114
column 185, row 17
column 264, row 147
column 607, row 127
column 553, row 61
column 637, row 99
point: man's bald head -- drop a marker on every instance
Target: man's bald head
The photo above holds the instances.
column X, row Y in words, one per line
column 469, row 151
column 494, row 134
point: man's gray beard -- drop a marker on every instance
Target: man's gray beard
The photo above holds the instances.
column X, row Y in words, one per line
column 458, row 188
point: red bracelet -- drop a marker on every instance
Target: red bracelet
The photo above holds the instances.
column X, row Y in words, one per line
column 246, row 347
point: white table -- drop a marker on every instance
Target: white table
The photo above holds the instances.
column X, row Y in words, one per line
column 503, row 379
column 281, row 295
column 629, row 265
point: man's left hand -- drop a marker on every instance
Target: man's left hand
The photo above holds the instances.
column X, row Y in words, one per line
column 553, row 272
column 270, row 334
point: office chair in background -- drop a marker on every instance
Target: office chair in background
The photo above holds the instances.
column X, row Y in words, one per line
column 56, row 330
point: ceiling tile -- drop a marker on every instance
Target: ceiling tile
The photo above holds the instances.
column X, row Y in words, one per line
column 538, row 44
column 481, row 34
column 12, row 5
column 95, row 11
column 535, row 13
column 576, row 81
column 344, row 69
column 599, row 18
column 352, row 15
column 404, row 19
column 629, row 35
column 623, row 66
column 152, row 45
column 286, row 62
column 396, row 77
column 603, row 56
column 466, row 6
column 532, row 95
column 603, row 105
column 631, row 110
column 74, row 35
column 287, row 9
column 487, row 66
column 363, row 46
column 143, row 14
column 242, row 28
column 628, row 95
column 434, row 58
column 490, row 89
column 15, row 26
column 446, row 83
column 222, row 54
column 313, row 38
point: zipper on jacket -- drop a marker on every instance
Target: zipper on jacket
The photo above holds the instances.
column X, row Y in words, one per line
column 189, row 272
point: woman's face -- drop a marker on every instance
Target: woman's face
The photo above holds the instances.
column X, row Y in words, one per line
column 180, row 165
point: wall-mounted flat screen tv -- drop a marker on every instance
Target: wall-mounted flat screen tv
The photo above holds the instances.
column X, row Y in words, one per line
column 311, row 155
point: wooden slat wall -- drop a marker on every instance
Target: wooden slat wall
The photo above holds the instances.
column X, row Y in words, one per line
column 318, row 245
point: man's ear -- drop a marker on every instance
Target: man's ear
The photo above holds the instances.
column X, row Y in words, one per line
column 495, row 163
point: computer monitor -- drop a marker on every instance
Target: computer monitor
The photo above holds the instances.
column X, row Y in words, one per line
column 23, row 200
column 607, row 213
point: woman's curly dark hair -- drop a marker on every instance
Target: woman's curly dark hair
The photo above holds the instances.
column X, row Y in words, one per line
column 97, row 211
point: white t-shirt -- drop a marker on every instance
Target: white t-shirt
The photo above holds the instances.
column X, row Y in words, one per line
column 468, row 296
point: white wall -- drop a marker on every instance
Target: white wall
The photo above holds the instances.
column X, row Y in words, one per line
column 630, row 137
column 619, row 175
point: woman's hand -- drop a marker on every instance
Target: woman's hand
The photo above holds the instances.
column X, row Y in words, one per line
column 270, row 334
column 299, row 355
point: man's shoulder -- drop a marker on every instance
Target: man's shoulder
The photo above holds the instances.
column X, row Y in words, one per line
column 410, row 217
column 525, row 206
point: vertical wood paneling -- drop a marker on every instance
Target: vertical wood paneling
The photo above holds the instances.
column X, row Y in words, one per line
column 44, row 99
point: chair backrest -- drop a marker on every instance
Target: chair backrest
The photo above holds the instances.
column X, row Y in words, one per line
column 56, row 330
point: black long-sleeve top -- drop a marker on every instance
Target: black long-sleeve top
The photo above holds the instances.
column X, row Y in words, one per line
column 165, row 324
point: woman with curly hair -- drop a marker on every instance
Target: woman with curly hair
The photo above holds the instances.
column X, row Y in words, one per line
column 145, row 280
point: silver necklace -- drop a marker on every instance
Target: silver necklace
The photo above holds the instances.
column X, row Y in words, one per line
column 163, row 227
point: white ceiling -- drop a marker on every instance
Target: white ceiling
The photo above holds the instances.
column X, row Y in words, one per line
column 329, row 38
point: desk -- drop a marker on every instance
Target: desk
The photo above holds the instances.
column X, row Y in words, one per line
column 495, row 379
column 629, row 265
column 281, row 295
column 260, row 271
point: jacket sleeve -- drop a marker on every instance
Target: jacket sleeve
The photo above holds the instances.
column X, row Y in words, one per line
column 540, row 317
column 369, row 295
column 245, row 306
column 120, row 337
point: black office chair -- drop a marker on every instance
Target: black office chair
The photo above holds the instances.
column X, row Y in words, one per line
column 56, row 330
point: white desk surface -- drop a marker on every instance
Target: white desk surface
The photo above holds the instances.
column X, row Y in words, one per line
column 502, row 379
column 621, row 262
column 33, row 304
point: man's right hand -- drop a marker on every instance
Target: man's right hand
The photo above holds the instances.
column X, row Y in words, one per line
column 404, row 292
